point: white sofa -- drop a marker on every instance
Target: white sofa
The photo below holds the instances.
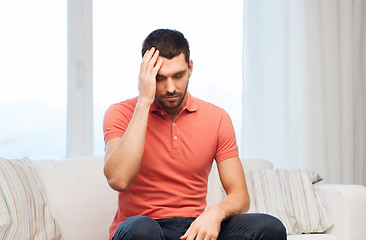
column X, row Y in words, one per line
column 84, row 205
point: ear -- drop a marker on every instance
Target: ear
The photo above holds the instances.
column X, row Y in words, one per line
column 190, row 68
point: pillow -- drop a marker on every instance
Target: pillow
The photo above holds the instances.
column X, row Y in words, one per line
column 24, row 213
column 288, row 195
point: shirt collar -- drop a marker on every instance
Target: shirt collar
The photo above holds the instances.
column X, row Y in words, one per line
column 191, row 105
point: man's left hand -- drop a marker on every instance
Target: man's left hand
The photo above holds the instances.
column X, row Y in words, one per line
column 205, row 227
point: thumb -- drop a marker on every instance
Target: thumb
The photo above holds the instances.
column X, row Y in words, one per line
column 184, row 236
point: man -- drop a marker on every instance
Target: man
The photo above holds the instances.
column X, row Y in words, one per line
column 159, row 151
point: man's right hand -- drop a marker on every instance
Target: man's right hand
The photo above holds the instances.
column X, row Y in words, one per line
column 150, row 66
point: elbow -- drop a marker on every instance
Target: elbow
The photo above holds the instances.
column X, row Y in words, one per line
column 116, row 183
column 118, row 187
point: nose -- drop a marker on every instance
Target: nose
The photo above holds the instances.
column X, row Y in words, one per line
column 170, row 86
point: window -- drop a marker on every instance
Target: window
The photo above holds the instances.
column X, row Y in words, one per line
column 33, row 79
column 33, row 76
column 213, row 29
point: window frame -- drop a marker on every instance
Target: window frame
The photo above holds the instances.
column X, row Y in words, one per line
column 79, row 78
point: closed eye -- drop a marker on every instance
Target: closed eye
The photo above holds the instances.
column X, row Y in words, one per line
column 179, row 74
column 160, row 77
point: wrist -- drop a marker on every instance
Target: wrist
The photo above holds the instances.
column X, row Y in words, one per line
column 219, row 212
column 144, row 103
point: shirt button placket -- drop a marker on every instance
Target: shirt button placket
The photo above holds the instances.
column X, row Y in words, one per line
column 175, row 136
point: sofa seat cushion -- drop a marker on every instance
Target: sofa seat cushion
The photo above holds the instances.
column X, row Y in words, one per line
column 24, row 210
column 312, row 237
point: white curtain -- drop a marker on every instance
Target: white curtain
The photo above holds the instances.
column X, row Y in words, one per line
column 304, row 91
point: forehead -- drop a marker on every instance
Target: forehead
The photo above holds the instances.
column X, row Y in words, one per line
column 174, row 65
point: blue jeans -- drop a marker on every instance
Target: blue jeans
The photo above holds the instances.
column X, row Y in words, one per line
column 253, row 226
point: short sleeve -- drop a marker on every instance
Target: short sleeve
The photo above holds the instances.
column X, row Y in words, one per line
column 116, row 120
column 226, row 141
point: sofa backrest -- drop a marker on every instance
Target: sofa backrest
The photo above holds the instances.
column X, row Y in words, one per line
column 79, row 196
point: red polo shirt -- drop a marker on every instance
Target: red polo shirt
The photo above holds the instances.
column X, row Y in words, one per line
column 178, row 156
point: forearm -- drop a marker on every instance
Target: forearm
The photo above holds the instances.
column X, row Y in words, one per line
column 123, row 159
column 233, row 204
column 233, row 180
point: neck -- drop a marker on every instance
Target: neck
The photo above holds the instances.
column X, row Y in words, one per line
column 174, row 113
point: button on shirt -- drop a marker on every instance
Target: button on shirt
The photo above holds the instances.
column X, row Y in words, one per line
column 177, row 159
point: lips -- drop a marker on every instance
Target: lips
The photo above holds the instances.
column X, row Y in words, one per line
column 171, row 98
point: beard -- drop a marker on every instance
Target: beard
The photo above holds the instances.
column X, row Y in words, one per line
column 162, row 101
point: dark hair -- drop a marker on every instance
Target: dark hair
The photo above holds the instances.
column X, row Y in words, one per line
column 170, row 43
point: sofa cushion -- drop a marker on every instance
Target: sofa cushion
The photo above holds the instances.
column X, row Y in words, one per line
column 313, row 237
column 288, row 194
column 24, row 211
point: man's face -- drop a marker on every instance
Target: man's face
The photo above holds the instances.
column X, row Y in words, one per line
column 172, row 83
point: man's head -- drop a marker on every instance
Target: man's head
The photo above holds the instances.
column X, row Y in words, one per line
column 175, row 70
column 170, row 43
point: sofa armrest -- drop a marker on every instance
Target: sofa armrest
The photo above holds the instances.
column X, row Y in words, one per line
column 347, row 206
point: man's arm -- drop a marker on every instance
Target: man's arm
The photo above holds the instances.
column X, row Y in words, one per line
column 207, row 225
column 123, row 155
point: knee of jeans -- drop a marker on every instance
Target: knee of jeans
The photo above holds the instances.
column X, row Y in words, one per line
column 139, row 227
column 272, row 228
